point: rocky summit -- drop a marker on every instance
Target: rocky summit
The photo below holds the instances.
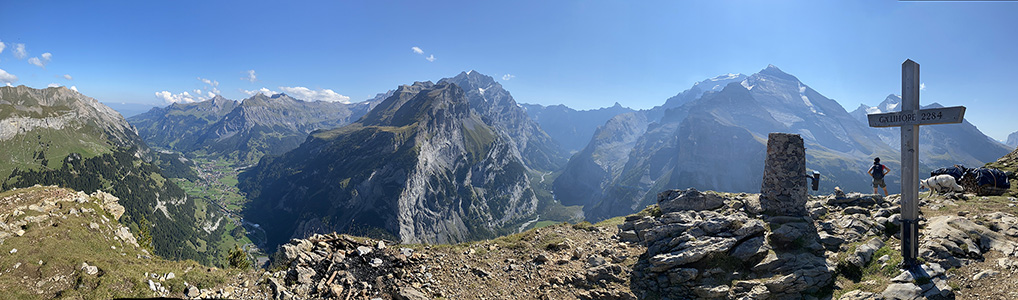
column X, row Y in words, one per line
column 726, row 251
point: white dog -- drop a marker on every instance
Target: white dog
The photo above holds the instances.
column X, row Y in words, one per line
column 941, row 184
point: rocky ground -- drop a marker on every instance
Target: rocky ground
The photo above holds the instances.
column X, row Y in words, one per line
column 693, row 245
column 557, row 262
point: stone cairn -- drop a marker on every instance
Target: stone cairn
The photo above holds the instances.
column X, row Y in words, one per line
column 713, row 245
column 784, row 191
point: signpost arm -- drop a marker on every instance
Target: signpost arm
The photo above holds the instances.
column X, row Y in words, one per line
column 909, row 165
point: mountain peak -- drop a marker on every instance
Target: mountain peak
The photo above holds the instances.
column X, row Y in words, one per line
column 470, row 79
column 774, row 71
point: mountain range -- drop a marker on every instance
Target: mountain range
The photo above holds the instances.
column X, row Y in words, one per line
column 242, row 131
column 939, row 145
column 459, row 159
column 713, row 136
column 425, row 165
column 571, row 128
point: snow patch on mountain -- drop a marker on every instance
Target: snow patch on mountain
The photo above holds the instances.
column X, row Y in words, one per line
column 745, row 84
column 805, row 99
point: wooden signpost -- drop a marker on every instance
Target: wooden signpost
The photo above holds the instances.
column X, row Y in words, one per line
column 909, row 119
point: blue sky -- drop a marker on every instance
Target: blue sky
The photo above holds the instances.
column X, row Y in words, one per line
column 584, row 54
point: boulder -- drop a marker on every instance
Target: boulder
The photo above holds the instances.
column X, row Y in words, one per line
column 902, row 291
column 751, row 250
column 410, row 293
column 863, row 253
column 690, row 251
column 984, row 275
column 192, row 292
column 110, row 204
column 860, row 295
column 690, row 199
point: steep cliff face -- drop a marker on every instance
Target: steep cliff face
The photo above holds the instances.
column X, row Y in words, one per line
column 496, row 107
column 420, row 167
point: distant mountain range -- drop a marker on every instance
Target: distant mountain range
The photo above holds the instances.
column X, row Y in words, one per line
column 713, row 136
column 571, row 128
column 130, row 109
column 940, row 145
column 242, row 132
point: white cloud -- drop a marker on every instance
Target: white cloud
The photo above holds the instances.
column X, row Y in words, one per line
column 213, row 85
column 37, row 62
column 175, row 98
column 74, row 88
column 417, row 50
column 68, row 77
column 508, row 77
column 430, row 58
column 264, row 91
column 19, row 51
column 7, row 78
column 251, row 76
column 2, row 47
column 922, row 86
column 41, row 62
column 211, row 90
column 304, row 93
column 52, row 85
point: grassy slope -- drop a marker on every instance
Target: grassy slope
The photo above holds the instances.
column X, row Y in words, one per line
column 65, row 241
column 23, row 151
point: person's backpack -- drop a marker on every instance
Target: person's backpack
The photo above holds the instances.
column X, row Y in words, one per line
column 878, row 171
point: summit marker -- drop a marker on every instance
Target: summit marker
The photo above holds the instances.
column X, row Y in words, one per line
column 909, row 119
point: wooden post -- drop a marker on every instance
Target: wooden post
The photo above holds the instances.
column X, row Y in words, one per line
column 908, row 120
column 909, row 164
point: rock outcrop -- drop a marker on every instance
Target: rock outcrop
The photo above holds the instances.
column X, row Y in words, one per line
column 724, row 252
column 557, row 262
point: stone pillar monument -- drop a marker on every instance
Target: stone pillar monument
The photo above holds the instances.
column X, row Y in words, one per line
column 784, row 191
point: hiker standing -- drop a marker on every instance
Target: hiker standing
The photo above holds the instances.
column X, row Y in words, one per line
column 878, row 171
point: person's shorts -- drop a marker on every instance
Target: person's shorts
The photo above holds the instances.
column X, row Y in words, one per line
column 878, row 183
